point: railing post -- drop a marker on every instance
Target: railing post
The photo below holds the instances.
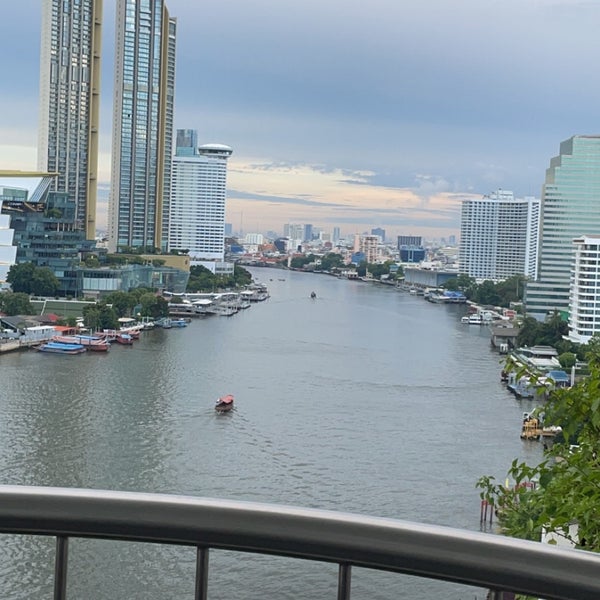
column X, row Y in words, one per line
column 201, row 588
column 60, row 568
column 344, row 580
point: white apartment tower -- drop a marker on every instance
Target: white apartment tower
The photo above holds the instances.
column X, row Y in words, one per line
column 197, row 205
column 499, row 236
column 584, row 306
column 70, row 102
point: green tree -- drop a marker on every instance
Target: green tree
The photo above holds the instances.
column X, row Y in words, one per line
column 20, row 276
column 154, row 306
column 122, row 302
column 16, row 303
column 44, row 282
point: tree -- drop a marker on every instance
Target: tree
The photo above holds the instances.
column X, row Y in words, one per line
column 565, row 487
column 16, row 303
column 20, row 276
column 122, row 302
column 154, row 306
column 44, row 282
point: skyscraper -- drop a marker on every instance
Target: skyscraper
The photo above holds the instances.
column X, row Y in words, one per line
column 198, row 193
column 142, row 125
column 499, row 236
column 69, row 102
column 570, row 209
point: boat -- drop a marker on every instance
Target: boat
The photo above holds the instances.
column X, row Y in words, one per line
column 91, row 342
column 181, row 322
column 124, row 338
column 224, row 403
column 61, row 348
column 313, row 295
column 475, row 319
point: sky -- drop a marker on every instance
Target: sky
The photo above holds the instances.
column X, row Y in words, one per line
column 352, row 114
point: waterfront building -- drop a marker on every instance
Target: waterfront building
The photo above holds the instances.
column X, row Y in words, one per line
column 570, row 208
column 69, row 103
column 197, row 206
column 499, row 236
column 46, row 231
column 584, row 308
column 142, row 125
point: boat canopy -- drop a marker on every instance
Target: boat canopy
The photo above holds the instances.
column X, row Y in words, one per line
column 228, row 399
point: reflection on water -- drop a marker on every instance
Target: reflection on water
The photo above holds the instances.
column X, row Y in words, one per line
column 365, row 400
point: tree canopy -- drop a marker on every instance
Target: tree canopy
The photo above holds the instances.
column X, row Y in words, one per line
column 16, row 303
column 29, row 279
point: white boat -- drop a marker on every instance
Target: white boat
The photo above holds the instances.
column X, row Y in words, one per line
column 475, row 319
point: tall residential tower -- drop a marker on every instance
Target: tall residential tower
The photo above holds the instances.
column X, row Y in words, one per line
column 499, row 236
column 570, row 209
column 69, row 102
column 142, row 125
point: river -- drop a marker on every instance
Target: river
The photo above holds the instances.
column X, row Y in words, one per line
column 365, row 399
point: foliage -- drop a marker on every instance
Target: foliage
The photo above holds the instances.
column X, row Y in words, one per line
column 153, row 306
column 565, row 487
column 502, row 293
column 203, row 280
column 549, row 333
column 122, row 302
column 100, row 316
column 29, row 279
column 567, row 360
column 44, row 282
column 16, row 303
column 19, row 276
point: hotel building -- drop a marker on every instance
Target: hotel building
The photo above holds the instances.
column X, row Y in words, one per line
column 69, row 102
column 570, row 209
column 198, row 193
column 499, row 236
column 142, row 125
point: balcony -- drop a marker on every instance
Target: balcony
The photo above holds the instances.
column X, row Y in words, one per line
column 348, row 540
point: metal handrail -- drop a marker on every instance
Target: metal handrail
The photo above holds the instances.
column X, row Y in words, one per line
column 471, row 558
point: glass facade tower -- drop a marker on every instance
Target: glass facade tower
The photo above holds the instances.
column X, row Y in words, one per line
column 570, row 209
column 142, row 125
column 69, row 102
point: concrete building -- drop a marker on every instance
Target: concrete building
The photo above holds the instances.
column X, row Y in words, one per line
column 570, row 209
column 69, row 103
column 142, row 125
column 584, row 310
column 499, row 236
column 197, row 206
column 410, row 240
column 8, row 252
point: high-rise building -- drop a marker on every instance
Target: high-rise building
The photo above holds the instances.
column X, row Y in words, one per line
column 197, row 207
column 186, row 143
column 142, row 125
column 409, row 240
column 335, row 236
column 584, row 308
column 570, row 208
column 70, row 101
column 379, row 232
column 499, row 236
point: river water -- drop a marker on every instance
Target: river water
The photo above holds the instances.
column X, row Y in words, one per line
column 366, row 400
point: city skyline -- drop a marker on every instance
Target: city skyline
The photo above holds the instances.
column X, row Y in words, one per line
column 385, row 119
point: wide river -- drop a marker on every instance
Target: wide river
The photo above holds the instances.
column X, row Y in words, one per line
column 366, row 399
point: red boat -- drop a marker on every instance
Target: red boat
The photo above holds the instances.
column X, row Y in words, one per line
column 224, row 403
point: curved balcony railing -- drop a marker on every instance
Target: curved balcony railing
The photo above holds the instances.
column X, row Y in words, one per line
column 472, row 558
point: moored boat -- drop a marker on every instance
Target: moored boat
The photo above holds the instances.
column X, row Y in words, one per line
column 224, row 403
column 61, row 348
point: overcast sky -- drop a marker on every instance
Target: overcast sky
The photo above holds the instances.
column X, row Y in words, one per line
column 353, row 114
